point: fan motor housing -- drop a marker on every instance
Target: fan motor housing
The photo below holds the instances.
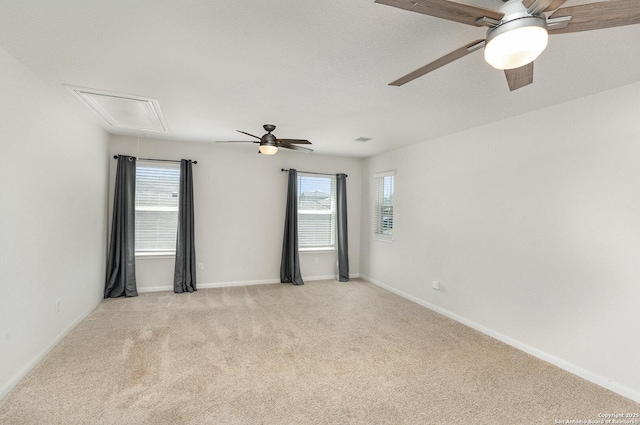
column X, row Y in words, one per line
column 525, row 21
column 269, row 139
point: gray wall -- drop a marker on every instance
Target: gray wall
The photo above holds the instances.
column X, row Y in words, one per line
column 53, row 169
column 532, row 227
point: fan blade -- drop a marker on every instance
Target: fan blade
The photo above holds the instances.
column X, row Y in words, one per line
column 538, row 6
column 456, row 54
column 236, row 141
column 249, row 134
column 450, row 10
column 295, row 141
column 519, row 77
column 594, row 16
column 297, row 148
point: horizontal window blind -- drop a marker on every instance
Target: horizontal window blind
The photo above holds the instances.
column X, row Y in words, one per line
column 316, row 211
column 383, row 207
column 157, row 187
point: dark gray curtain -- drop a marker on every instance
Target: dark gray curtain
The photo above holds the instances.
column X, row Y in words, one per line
column 184, row 278
column 341, row 224
column 290, row 264
column 121, row 264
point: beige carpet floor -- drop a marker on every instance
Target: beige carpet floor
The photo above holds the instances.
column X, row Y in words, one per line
column 323, row 353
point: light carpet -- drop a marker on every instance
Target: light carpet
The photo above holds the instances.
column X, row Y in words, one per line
column 323, row 353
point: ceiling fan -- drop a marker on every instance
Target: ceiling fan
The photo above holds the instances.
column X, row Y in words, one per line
column 269, row 143
column 518, row 32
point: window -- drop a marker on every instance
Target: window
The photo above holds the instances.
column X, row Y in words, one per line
column 316, row 212
column 157, row 187
column 383, row 213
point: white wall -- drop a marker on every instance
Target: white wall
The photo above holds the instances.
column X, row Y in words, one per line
column 532, row 226
column 53, row 169
column 239, row 199
column 535, row 238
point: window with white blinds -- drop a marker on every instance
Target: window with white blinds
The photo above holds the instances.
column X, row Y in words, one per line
column 316, row 212
column 157, row 187
column 383, row 205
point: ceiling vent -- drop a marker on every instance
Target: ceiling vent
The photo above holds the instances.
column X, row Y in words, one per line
column 123, row 110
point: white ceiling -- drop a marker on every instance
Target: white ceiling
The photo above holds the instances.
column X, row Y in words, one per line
column 317, row 69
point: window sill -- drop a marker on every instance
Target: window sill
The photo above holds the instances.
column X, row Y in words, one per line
column 316, row 250
column 155, row 255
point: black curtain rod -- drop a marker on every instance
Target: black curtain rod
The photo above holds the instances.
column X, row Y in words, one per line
column 311, row 172
column 152, row 159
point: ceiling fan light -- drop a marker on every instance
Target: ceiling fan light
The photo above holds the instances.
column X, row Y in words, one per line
column 268, row 149
column 516, row 43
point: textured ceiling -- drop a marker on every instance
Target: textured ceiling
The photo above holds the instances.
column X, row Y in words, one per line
column 316, row 69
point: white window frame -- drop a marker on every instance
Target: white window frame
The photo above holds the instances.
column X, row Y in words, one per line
column 156, row 253
column 379, row 203
column 331, row 212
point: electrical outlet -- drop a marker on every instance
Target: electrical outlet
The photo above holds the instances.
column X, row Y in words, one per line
column 436, row 285
column 200, row 266
column 57, row 308
column 316, row 260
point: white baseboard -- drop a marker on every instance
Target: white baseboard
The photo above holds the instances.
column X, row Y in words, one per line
column 211, row 285
column 238, row 283
column 312, row 278
column 542, row 355
column 242, row 283
column 6, row 388
column 154, row 289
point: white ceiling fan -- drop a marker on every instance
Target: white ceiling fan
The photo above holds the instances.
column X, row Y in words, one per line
column 517, row 33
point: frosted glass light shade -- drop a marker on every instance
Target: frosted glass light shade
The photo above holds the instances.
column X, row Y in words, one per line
column 268, row 149
column 516, row 47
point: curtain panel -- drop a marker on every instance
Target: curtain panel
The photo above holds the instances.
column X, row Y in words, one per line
column 341, row 228
column 184, row 279
column 121, row 263
column 290, row 264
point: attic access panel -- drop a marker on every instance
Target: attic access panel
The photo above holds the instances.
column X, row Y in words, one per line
column 123, row 110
